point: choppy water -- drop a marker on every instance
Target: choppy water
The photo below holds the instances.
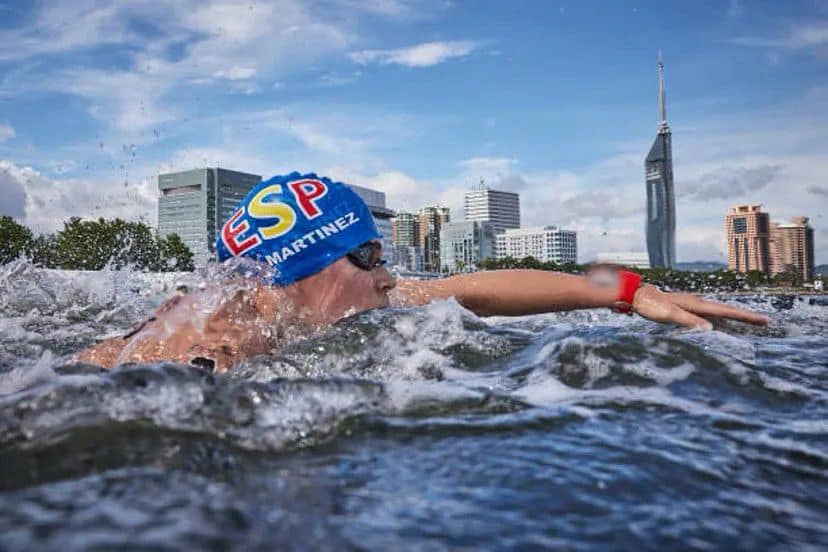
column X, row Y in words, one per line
column 419, row 428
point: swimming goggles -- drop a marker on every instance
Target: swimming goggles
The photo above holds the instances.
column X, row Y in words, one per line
column 367, row 256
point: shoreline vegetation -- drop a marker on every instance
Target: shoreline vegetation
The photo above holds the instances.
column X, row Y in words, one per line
column 117, row 244
column 94, row 245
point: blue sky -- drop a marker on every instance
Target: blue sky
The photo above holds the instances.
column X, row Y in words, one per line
column 553, row 99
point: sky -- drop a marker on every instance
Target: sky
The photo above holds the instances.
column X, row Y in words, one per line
column 556, row 100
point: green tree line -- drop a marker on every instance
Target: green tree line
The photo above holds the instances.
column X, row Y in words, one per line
column 662, row 277
column 95, row 244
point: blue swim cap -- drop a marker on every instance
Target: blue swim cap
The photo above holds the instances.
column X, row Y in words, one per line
column 298, row 224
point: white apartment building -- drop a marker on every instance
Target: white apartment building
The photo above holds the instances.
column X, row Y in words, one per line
column 545, row 243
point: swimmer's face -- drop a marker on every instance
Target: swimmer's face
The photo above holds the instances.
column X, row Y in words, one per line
column 343, row 288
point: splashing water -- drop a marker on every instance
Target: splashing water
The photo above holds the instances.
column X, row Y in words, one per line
column 427, row 428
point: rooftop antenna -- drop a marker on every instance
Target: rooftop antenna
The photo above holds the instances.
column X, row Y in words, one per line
column 482, row 185
column 663, row 128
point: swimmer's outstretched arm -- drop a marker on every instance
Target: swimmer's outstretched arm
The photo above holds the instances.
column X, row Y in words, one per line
column 522, row 292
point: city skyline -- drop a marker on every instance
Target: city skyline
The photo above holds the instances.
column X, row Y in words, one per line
column 416, row 238
column 96, row 100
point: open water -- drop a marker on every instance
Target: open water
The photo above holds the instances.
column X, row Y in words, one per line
column 423, row 428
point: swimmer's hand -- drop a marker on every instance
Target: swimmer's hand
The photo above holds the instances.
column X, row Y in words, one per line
column 687, row 309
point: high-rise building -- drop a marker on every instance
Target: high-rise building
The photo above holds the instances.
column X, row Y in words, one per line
column 792, row 248
column 429, row 223
column 375, row 200
column 464, row 244
column 501, row 209
column 405, row 232
column 409, row 257
column 405, row 229
column 546, row 244
column 194, row 204
column 748, row 239
column 661, row 201
column 443, row 215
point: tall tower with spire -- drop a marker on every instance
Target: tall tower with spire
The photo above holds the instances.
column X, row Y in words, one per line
column 658, row 178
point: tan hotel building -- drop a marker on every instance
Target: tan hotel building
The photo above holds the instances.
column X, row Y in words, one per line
column 748, row 239
column 792, row 245
column 754, row 243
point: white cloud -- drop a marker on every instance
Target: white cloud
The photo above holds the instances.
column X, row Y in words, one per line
column 235, row 73
column 48, row 202
column 125, row 100
column 321, row 139
column 194, row 44
column 731, row 183
column 337, row 135
column 489, row 164
column 404, row 192
column 13, row 198
column 819, row 191
column 224, row 157
column 389, row 8
column 6, row 132
column 62, row 27
column 803, row 35
column 420, row 55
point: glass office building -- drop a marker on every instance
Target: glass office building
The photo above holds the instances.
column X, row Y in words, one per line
column 464, row 244
column 382, row 216
column 661, row 201
column 194, row 204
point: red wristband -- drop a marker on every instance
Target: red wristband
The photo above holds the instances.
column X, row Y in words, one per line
column 629, row 282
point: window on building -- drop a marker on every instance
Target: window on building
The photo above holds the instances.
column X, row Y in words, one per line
column 181, row 190
column 740, row 225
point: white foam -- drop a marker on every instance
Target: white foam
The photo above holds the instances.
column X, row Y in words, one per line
column 547, row 391
column 407, row 396
column 25, row 376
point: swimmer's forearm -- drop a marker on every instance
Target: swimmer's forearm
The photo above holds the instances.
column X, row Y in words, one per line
column 512, row 292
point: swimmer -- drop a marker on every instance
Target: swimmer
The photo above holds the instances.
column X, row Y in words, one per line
column 302, row 252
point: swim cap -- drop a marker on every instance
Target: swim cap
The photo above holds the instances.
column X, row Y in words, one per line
column 298, row 224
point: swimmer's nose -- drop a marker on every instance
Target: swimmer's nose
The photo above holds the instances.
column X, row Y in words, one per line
column 385, row 282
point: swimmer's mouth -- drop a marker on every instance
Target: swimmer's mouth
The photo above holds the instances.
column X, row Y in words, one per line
column 206, row 363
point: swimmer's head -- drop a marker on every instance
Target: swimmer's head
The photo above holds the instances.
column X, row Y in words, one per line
column 314, row 231
column 344, row 288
